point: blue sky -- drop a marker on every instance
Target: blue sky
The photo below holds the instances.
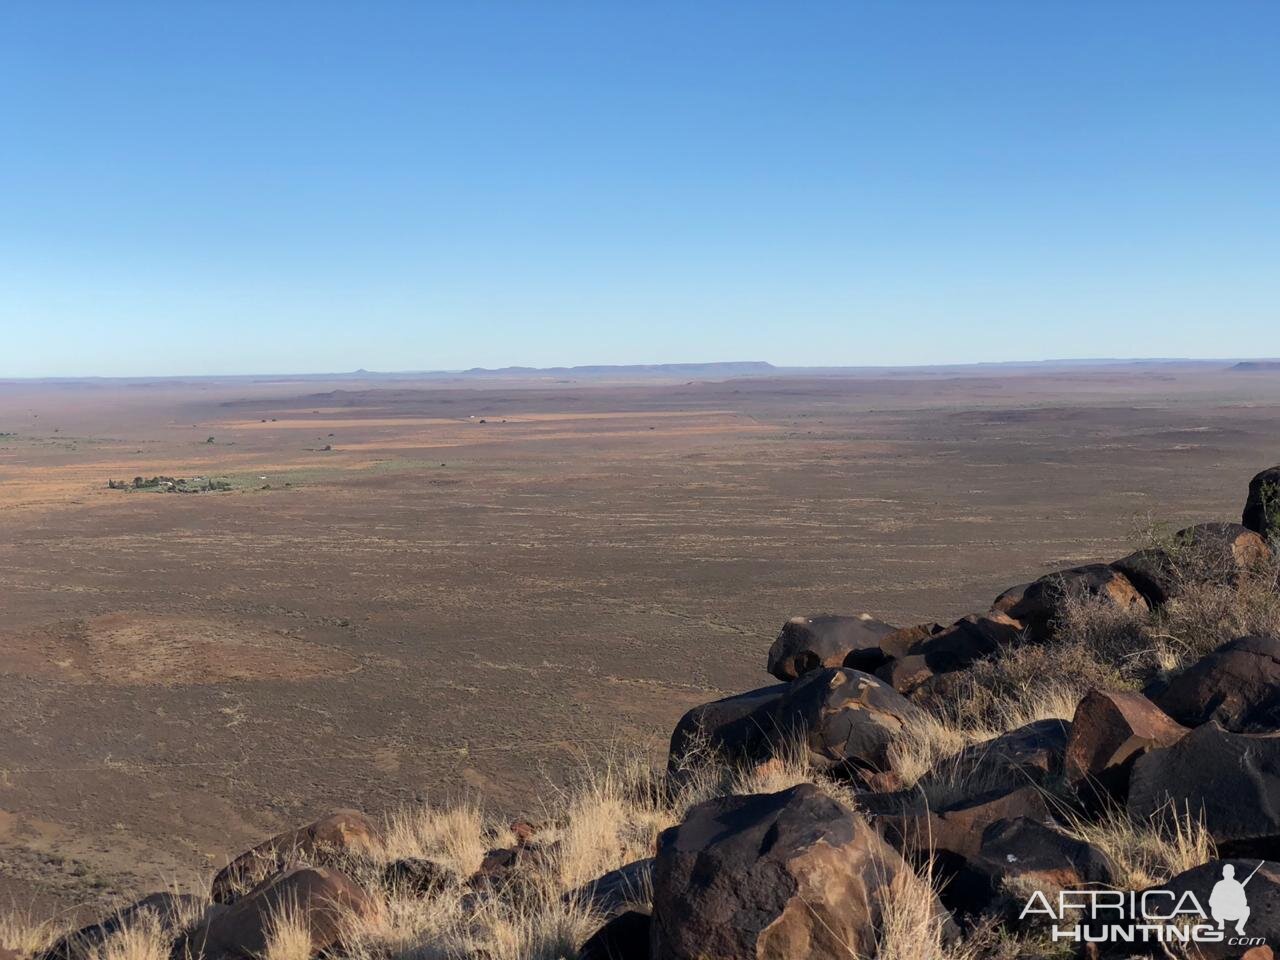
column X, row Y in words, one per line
column 299, row 187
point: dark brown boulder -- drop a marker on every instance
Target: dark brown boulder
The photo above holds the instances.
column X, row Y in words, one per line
column 955, row 831
column 1237, row 685
column 1262, row 508
column 1220, row 552
column 1110, row 730
column 1262, row 892
column 845, row 719
column 968, row 639
column 1152, row 572
column 899, row 642
column 718, row 726
column 770, row 877
column 1010, row 598
column 1231, row 780
column 625, row 937
column 171, row 911
column 906, row 674
column 1204, row 553
column 1029, row 754
column 810, row 643
column 1041, row 604
column 332, row 840
column 324, row 901
column 951, row 648
column 615, row 891
column 1015, row 857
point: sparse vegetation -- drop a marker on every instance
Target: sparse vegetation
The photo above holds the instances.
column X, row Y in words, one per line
column 166, row 484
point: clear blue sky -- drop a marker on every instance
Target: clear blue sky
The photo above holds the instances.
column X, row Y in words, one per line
column 220, row 187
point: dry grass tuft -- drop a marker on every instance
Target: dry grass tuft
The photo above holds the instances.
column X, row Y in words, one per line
column 27, row 936
column 288, row 936
column 452, row 837
column 1147, row 853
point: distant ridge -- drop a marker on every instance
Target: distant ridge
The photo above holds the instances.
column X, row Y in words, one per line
column 726, row 368
column 1257, row 365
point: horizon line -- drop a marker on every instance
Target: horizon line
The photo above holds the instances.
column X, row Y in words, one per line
column 764, row 366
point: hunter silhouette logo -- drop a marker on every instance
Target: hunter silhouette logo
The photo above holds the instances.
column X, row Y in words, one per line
column 1228, row 901
column 1156, row 915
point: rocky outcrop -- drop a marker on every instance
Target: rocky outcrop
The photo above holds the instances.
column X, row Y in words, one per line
column 770, row 877
column 331, row 840
column 806, row 644
column 1231, row 780
column 1237, row 685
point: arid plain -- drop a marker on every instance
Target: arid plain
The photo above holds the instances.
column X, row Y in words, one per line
column 426, row 588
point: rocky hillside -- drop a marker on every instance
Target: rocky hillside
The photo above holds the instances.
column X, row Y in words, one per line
column 925, row 791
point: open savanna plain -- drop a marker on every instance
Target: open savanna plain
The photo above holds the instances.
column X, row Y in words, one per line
column 432, row 588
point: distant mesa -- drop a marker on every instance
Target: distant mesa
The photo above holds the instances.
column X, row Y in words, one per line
column 739, row 368
column 1255, row 365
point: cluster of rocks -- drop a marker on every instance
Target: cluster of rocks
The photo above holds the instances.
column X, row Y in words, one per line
column 801, row 874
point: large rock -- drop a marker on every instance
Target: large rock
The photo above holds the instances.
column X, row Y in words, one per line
column 950, row 648
column 1016, row 857
column 1028, row 754
column 1110, row 730
column 844, row 718
column 721, row 726
column 1220, row 552
column 1153, row 573
column 170, row 911
column 1231, row 780
column 322, row 900
column 811, row 643
column 333, row 840
column 1237, row 685
column 1042, row 602
column 771, row 877
column 896, row 644
column 1262, row 508
column 953, row 833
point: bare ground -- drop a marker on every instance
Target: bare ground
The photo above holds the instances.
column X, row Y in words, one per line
column 437, row 606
